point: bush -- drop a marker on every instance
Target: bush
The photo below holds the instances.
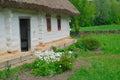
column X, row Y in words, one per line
column 91, row 44
column 66, row 61
column 72, row 47
column 0, row 74
column 76, row 54
column 55, row 49
column 8, row 71
column 49, row 66
column 80, row 45
column 41, row 67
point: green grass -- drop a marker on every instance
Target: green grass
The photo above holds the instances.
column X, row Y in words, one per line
column 13, row 73
column 102, row 68
column 110, row 43
column 104, row 27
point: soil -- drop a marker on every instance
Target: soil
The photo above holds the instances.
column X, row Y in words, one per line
column 25, row 75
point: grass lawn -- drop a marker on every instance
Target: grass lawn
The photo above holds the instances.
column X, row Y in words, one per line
column 110, row 43
column 102, row 68
column 105, row 27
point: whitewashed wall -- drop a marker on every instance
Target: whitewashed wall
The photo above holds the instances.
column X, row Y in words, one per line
column 55, row 34
column 10, row 29
column 34, row 26
column 2, row 34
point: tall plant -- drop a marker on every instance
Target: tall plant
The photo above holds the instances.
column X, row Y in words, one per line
column 103, row 12
column 115, row 5
column 87, row 12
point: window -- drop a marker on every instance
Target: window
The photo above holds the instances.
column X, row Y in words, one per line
column 48, row 21
column 59, row 22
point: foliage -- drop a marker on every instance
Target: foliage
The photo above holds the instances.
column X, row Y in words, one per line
column 76, row 26
column 0, row 74
column 41, row 67
column 110, row 43
column 55, row 49
column 91, row 44
column 103, row 12
column 80, row 45
column 87, row 44
column 76, row 54
column 115, row 11
column 66, row 61
column 95, row 12
column 71, row 47
column 45, row 65
column 87, row 11
column 8, row 72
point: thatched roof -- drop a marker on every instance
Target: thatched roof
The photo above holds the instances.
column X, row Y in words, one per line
column 57, row 6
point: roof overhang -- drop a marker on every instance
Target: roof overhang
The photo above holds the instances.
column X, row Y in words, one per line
column 30, row 6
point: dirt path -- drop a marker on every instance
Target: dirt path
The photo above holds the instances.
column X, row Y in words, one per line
column 27, row 76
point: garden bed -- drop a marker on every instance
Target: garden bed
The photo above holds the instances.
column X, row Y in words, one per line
column 25, row 75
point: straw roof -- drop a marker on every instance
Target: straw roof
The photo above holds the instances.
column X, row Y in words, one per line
column 57, row 6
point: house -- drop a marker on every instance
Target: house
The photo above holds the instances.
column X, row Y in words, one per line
column 25, row 24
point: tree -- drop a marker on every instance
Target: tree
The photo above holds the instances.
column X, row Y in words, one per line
column 96, row 12
column 103, row 12
column 87, row 11
column 115, row 5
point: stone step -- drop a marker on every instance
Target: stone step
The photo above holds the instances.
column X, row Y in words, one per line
column 17, row 60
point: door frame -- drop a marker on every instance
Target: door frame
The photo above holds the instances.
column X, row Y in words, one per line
column 28, row 32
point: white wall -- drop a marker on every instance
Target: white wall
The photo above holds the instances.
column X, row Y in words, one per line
column 55, row 34
column 34, row 26
column 39, row 33
column 2, row 34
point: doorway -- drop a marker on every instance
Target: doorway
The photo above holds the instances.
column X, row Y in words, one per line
column 25, row 34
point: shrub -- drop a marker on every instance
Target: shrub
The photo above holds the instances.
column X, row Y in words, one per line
column 76, row 55
column 55, row 49
column 60, row 50
column 66, row 62
column 26, row 66
column 8, row 71
column 72, row 47
column 91, row 44
column 41, row 67
column 80, row 45
column 0, row 74
column 51, row 63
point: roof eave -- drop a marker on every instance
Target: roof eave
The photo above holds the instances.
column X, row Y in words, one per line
column 14, row 4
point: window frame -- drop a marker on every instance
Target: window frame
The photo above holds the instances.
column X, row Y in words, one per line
column 59, row 23
column 48, row 18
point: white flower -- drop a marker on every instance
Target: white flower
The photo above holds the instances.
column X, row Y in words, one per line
column 70, row 52
column 48, row 55
column 60, row 66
